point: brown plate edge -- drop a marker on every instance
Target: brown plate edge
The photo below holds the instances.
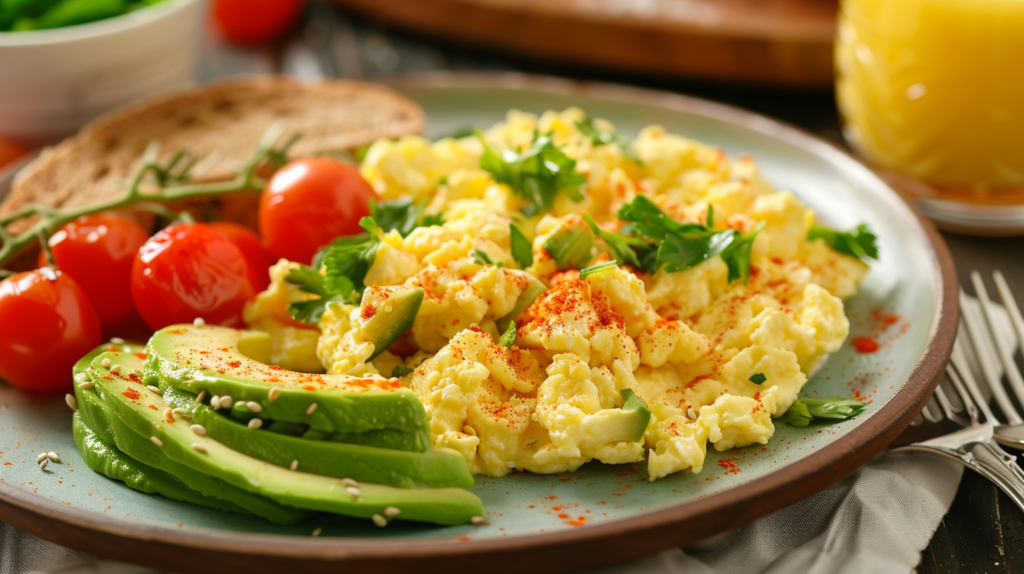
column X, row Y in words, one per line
column 590, row 546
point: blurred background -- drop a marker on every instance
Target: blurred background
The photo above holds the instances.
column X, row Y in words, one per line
column 927, row 92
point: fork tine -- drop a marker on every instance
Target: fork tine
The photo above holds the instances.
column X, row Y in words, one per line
column 943, row 400
column 1011, row 305
column 967, row 386
column 1003, row 348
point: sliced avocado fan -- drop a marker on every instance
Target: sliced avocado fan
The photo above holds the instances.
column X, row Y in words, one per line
column 147, row 415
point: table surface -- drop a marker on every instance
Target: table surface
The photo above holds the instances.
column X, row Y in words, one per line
column 983, row 529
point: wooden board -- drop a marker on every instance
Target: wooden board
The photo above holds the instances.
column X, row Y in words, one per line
column 768, row 42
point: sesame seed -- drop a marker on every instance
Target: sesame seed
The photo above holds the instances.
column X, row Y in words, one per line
column 40, row 458
column 199, row 447
column 354, row 491
column 379, row 520
column 295, row 465
column 168, row 414
column 388, row 308
column 54, row 457
column 154, row 388
column 225, row 402
column 317, row 532
column 156, row 441
column 86, row 385
column 116, row 369
column 255, row 423
column 199, row 430
column 311, row 409
column 105, row 363
column 201, row 396
column 349, row 482
column 81, row 377
column 273, row 394
column 46, row 463
column 199, row 322
column 180, row 412
column 71, row 401
column 690, row 413
column 116, row 341
column 254, row 406
column 478, row 520
column 530, row 442
column 392, row 512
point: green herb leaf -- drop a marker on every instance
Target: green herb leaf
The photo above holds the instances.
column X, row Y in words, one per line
column 620, row 247
column 858, row 242
column 508, row 338
column 584, row 273
column 308, row 279
column 536, row 174
column 309, row 312
column 480, row 257
column 805, row 411
column 758, row 378
column 598, row 137
column 360, row 154
column 570, row 248
column 403, row 215
column 400, row 371
column 522, row 250
column 737, row 254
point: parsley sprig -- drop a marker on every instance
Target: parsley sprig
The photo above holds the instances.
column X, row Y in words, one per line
column 345, row 263
column 508, row 338
column 858, row 242
column 837, row 409
column 598, row 137
column 537, row 174
column 522, row 250
column 403, row 215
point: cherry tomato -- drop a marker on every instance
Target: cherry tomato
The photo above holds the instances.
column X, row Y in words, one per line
column 98, row 251
column 310, row 202
column 10, row 151
column 190, row 271
column 255, row 255
column 255, row 22
column 48, row 325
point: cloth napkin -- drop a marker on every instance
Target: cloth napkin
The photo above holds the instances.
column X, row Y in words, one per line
column 876, row 520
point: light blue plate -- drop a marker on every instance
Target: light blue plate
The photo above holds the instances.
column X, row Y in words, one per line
column 599, row 513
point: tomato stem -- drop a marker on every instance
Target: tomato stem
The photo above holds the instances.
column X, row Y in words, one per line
column 169, row 181
column 44, row 242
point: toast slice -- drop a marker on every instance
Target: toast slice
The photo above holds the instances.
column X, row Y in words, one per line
column 221, row 124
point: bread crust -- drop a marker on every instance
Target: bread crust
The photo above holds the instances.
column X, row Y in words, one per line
column 224, row 120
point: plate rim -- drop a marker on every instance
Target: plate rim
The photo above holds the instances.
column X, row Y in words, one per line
column 601, row 543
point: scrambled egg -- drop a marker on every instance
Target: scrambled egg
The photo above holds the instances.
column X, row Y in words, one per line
column 687, row 343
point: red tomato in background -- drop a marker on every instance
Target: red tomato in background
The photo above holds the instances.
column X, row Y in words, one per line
column 310, row 202
column 252, row 250
column 10, row 151
column 48, row 325
column 98, row 251
column 255, row 22
column 189, row 271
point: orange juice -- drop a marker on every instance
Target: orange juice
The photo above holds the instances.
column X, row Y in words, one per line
column 934, row 90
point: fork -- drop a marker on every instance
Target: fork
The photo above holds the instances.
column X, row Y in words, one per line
column 977, row 444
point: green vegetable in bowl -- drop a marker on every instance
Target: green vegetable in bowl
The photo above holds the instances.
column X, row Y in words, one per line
column 27, row 15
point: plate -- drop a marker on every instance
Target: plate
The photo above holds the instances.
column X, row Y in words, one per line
column 598, row 514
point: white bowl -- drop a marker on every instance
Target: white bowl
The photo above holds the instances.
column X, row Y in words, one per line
column 53, row 81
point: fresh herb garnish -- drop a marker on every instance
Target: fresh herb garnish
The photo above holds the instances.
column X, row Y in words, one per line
column 402, row 215
column 570, row 248
column 345, row 262
column 584, row 273
column 522, row 251
column 480, row 257
column 681, row 246
column 598, row 137
column 858, row 242
column 805, row 411
column 508, row 338
column 536, row 174
column 400, row 371
column 758, row 378
column 360, row 153
column 620, row 247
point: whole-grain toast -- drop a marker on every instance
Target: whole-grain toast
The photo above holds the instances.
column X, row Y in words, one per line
column 220, row 123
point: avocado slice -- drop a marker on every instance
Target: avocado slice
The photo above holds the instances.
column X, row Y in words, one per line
column 232, row 362
column 143, row 411
column 104, row 458
column 625, row 424
column 532, row 292
column 109, row 427
column 435, row 468
column 384, row 327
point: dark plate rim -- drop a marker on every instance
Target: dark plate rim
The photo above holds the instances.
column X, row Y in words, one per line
column 618, row 540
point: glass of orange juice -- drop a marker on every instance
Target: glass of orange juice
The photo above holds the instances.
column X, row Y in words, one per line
column 932, row 94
